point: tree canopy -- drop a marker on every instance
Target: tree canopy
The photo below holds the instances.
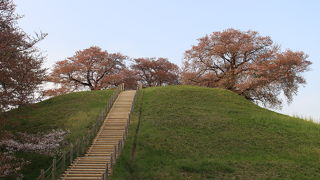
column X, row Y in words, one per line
column 246, row 63
column 21, row 70
column 156, row 71
column 89, row 68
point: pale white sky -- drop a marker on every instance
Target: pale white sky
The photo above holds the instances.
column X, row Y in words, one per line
column 166, row 28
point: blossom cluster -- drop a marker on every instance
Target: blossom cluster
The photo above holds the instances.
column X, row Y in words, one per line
column 10, row 165
column 39, row 143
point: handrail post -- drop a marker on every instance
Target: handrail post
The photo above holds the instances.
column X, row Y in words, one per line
column 111, row 163
column 71, row 153
column 53, row 172
column 64, row 160
column 115, row 152
column 92, row 132
column 107, row 172
column 126, row 131
column 129, row 117
column 77, row 148
column 42, row 174
column 83, row 147
column 119, row 146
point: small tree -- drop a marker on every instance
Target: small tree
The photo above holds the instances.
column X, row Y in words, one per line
column 20, row 61
column 89, row 68
column 246, row 63
column 156, row 72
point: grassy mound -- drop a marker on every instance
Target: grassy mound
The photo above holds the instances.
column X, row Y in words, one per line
column 200, row 133
column 75, row 112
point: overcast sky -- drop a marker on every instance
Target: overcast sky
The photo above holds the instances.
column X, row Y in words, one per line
column 166, row 28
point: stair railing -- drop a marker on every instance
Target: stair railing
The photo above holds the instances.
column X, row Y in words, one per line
column 62, row 161
column 120, row 145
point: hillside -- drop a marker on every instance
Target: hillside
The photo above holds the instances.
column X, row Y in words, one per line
column 190, row 132
column 75, row 112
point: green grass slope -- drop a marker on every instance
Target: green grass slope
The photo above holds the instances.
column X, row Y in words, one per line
column 190, row 132
column 75, row 112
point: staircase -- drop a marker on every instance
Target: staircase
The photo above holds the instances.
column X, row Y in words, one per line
column 98, row 161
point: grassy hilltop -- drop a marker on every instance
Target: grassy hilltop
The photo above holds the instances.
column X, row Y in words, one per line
column 190, row 132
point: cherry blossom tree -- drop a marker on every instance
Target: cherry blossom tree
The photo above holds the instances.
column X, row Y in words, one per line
column 21, row 71
column 89, row 68
column 246, row 63
column 156, row 71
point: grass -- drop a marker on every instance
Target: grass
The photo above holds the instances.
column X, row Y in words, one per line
column 75, row 112
column 307, row 118
column 188, row 132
